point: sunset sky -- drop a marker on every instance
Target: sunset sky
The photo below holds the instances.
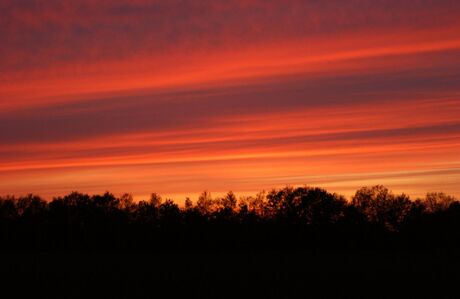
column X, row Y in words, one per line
column 177, row 97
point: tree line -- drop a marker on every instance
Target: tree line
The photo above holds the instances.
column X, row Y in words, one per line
column 302, row 218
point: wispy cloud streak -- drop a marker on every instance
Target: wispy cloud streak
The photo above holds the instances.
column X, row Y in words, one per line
column 178, row 97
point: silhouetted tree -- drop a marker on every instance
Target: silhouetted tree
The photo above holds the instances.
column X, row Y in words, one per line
column 289, row 217
column 188, row 204
column 155, row 200
column 205, row 204
column 381, row 206
column 437, row 201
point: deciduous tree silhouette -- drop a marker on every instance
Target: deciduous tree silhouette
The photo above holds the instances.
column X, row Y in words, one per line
column 304, row 217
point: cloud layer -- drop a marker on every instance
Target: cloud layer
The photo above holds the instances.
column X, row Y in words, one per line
column 181, row 96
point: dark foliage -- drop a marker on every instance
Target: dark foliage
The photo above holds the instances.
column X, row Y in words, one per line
column 289, row 218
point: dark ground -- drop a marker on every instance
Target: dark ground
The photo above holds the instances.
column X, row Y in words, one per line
column 201, row 274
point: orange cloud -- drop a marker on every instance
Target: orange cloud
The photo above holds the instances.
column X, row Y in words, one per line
column 177, row 97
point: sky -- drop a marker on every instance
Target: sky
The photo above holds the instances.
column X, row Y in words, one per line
column 177, row 97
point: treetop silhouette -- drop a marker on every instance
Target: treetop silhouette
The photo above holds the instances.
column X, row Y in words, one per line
column 304, row 217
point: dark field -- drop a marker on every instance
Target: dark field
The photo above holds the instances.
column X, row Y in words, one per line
column 289, row 243
column 266, row 274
